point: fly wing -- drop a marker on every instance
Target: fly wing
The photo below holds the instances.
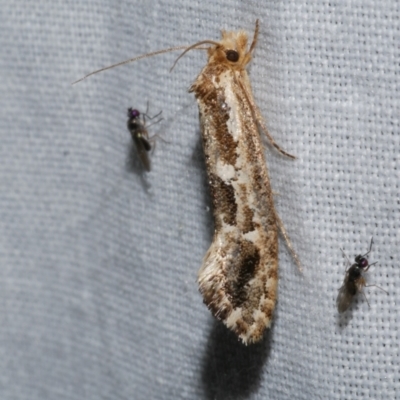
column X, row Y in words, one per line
column 143, row 146
column 344, row 298
column 360, row 283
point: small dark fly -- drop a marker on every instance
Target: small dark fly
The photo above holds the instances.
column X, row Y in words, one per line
column 354, row 280
column 137, row 127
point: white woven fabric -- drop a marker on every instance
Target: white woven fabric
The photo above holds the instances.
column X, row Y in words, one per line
column 99, row 260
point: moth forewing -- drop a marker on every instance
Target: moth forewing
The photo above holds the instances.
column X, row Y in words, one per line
column 239, row 275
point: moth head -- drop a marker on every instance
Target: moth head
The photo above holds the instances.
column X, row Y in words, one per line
column 231, row 51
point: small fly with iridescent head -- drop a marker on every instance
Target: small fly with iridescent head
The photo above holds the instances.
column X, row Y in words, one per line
column 136, row 125
column 354, row 280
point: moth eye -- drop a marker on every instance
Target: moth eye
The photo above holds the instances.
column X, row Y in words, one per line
column 232, row 55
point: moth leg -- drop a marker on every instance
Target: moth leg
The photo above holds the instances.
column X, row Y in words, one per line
column 260, row 121
column 271, row 139
column 288, row 243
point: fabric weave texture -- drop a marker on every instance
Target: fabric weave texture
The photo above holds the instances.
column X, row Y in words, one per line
column 98, row 259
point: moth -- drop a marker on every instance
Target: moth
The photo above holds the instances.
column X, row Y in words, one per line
column 354, row 280
column 239, row 275
column 136, row 125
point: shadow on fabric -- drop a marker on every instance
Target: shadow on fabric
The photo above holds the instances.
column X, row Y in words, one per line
column 134, row 165
column 342, row 320
column 230, row 369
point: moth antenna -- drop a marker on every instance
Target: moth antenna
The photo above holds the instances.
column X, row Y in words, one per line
column 154, row 53
column 192, row 47
column 255, row 37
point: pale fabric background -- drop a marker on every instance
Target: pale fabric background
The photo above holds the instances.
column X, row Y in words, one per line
column 98, row 293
